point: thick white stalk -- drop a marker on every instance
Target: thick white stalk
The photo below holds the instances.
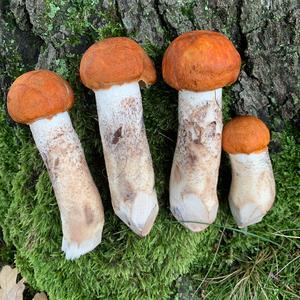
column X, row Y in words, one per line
column 194, row 175
column 252, row 190
column 76, row 193
column 127, row 156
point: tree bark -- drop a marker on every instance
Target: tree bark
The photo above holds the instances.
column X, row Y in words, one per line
column 266, row 33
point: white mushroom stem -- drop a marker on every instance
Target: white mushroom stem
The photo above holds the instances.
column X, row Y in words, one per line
column 127, row 156
column 76, row 193
column 194, row 175
column 252, row 190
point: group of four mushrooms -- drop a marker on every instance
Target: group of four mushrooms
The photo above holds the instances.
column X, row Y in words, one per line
column 198, row 64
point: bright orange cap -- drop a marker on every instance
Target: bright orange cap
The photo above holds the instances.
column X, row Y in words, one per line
column 115, row 61
column 245, row 134
column 38, row 94
column 201, row 61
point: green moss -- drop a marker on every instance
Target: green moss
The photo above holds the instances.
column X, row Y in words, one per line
column 11, row 66
column 10, row 60
column 127, row 266
column 6, row 252
column 53, row 9
column 80, row 21
column 187, row 8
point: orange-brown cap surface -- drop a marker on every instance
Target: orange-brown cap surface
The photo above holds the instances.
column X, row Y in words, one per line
column 115, row 61
column 38, row 94
column 245, row 134
column 201, row 60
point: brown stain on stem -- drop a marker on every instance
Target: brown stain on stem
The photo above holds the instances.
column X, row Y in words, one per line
column 128, row 191
column 177, row 173
column 89, row 215
column 117, row 136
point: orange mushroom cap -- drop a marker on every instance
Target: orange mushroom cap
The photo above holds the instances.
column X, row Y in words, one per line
column 115, row 61
column 38, row 94
column 245, row 134
column 200, row 61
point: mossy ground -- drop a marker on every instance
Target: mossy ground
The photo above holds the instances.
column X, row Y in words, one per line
column 219, row 263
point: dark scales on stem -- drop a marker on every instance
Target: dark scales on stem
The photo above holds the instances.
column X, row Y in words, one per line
column 117, row 136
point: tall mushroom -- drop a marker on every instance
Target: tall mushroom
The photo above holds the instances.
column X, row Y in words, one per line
column 252, row 190
column 113, row 68
column 41, row 99
column 198, row 64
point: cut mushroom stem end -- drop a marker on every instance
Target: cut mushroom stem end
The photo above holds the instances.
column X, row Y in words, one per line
column 253, row 188
column 73, row 250
column 140, row 218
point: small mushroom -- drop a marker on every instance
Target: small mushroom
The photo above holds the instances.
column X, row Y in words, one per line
column 198, row 64
column 113, row 68
column 41, row 99
column 252, row 190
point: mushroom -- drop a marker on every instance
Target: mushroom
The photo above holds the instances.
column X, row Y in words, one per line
column 41, row 99
column 252, row 190
column 113, row 68
column 198, row 64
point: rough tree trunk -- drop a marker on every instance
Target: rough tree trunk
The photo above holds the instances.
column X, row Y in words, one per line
column 266, row 32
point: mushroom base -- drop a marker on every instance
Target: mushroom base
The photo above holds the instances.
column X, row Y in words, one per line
column 127, row 156
column 76, row 193
column 252, row 190
column 195, row 168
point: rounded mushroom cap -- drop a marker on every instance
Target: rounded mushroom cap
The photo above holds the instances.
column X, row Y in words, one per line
column 200, row 61
column 245, row 134
column 115, row 61
column 38, row 94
